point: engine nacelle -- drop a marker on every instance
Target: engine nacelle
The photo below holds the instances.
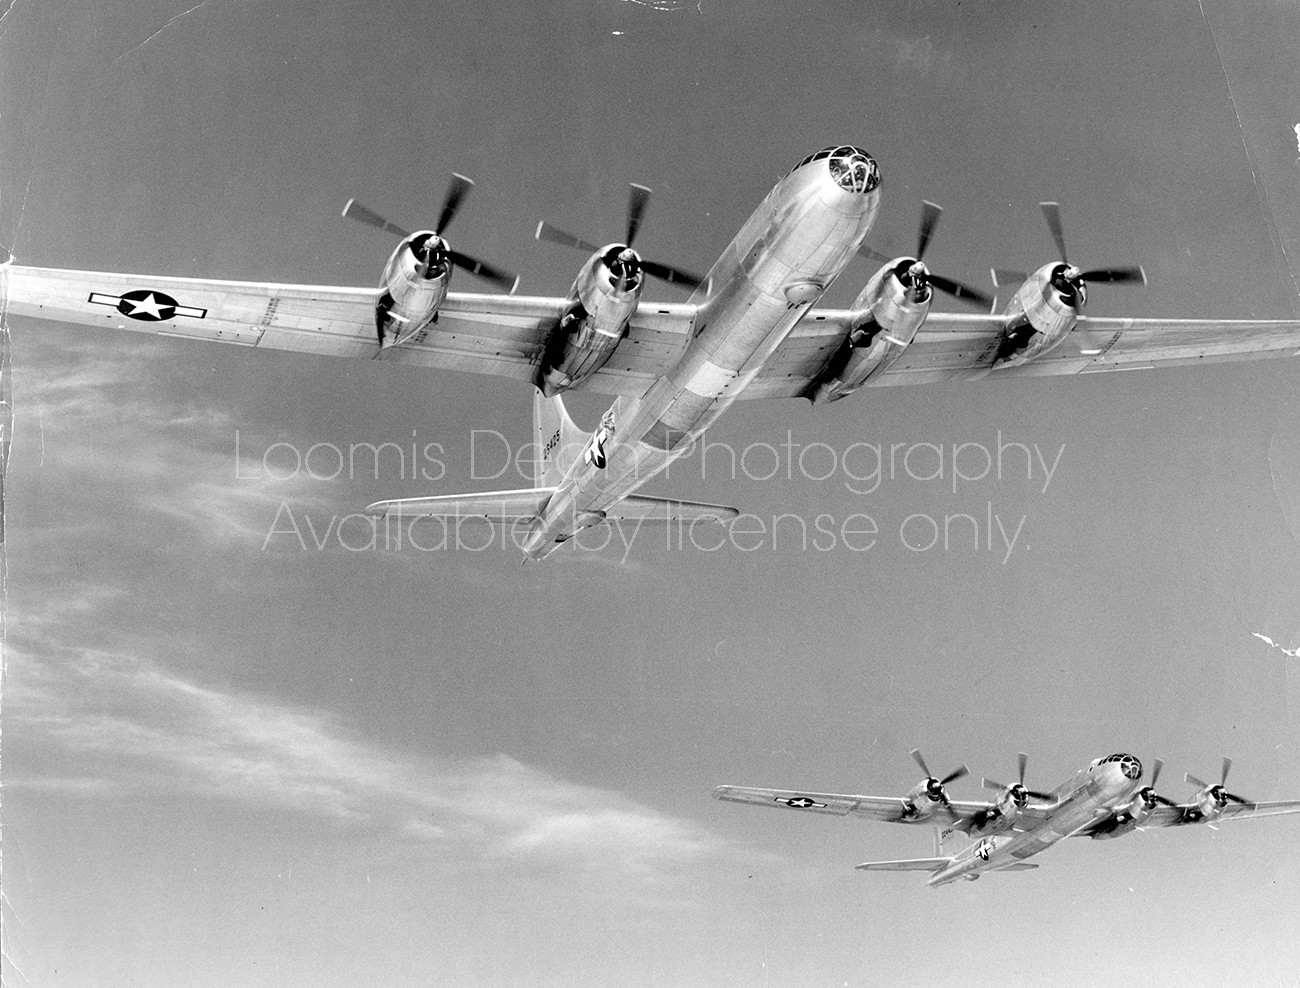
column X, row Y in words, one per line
column 1040, row 315
column 1210, row 803
column 892, row 306
column 1128, row 818
column 414, row 284
column 924, row 798
column 601, row 302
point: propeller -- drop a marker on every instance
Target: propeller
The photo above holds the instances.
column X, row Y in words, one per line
column 1019, row 794
column 918, row 272
column 935, row 787
column 1070, row 279
column 1113, row 276
column 430, row 249
column 1218, row 793
column 1148, row 793
column 627, row 261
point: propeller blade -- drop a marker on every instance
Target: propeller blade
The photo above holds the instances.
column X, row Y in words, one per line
column 1155, row 771
column 555, row 235
column 1227, row 764
column 506, row 280
column 1052, row 210
column 1163, row 799
column 871, row 254
column 1195, row 781
column 672, row 275
column 1237, row 799
column 1116, row 276
column 1008, row 276
column 916, row 757
column 460, row 186
column 958, row 290
column 930, row 213
column 1039, row 795
column 355, row 211
column 947, row 805
column 992, row 784
column 956, row 773
column 1022, row 761
column 638, row 196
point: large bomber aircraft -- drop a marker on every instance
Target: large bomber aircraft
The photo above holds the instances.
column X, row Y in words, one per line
column 748, row 330
column 1107, row 799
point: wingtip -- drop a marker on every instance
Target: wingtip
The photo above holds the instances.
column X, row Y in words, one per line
column 537, row 234
column 514, row 286
column 346, row 206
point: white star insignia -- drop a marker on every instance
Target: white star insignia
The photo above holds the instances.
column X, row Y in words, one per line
column 149, row 305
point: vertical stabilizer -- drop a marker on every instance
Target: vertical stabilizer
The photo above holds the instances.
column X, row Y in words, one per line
column 559, row 441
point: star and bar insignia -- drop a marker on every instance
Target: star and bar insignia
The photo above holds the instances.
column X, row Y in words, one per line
column 801, row 802
column 147, row 304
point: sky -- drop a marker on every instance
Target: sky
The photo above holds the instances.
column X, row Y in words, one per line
column 241, row 750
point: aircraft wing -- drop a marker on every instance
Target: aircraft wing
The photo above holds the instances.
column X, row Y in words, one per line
column 961, row 347
column 888, row 809
column 1186, row 813
column 504, row 335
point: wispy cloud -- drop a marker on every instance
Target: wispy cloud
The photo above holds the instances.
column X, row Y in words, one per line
column 94, row 413
column 128, row 724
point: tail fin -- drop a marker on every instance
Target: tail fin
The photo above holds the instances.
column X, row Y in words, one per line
column 559, row 441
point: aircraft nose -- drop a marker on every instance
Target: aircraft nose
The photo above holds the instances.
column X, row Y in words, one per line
column 854, row 170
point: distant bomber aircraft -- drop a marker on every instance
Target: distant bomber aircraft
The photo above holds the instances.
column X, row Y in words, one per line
column 1106, row 799
column 748, row 330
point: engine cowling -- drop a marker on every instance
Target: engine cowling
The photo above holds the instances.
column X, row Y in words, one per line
column 893, row 306
column 413, row 286
column 1128, row 818
column 601, row 302
column 1040, row 315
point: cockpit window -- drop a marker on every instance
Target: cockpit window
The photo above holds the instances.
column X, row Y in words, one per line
column 852, row 168
column 1128, row 765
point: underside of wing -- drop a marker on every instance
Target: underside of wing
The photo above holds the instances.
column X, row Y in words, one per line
column 1189, row 813
column 953, row 347
column 501, row 335
column 887, row 809
column 876, row 807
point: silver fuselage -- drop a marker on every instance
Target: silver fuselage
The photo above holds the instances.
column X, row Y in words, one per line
column 1092, row 794
column 779, row 265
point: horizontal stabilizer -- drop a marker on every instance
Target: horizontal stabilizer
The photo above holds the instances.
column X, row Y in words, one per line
column 642, row 507
column 503, row 506
column 908, row 864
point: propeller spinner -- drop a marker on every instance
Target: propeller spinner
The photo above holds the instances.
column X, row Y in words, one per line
column 1020, row 795
column 625, row 262
column 917, row 274
column 433, row 249
column 934, row 787
column 1218, row 793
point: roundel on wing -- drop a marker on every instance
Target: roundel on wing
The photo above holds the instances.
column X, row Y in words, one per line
column 147, row 304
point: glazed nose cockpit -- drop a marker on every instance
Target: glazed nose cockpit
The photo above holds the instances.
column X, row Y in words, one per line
column 852, row 168
column 1129, row 766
